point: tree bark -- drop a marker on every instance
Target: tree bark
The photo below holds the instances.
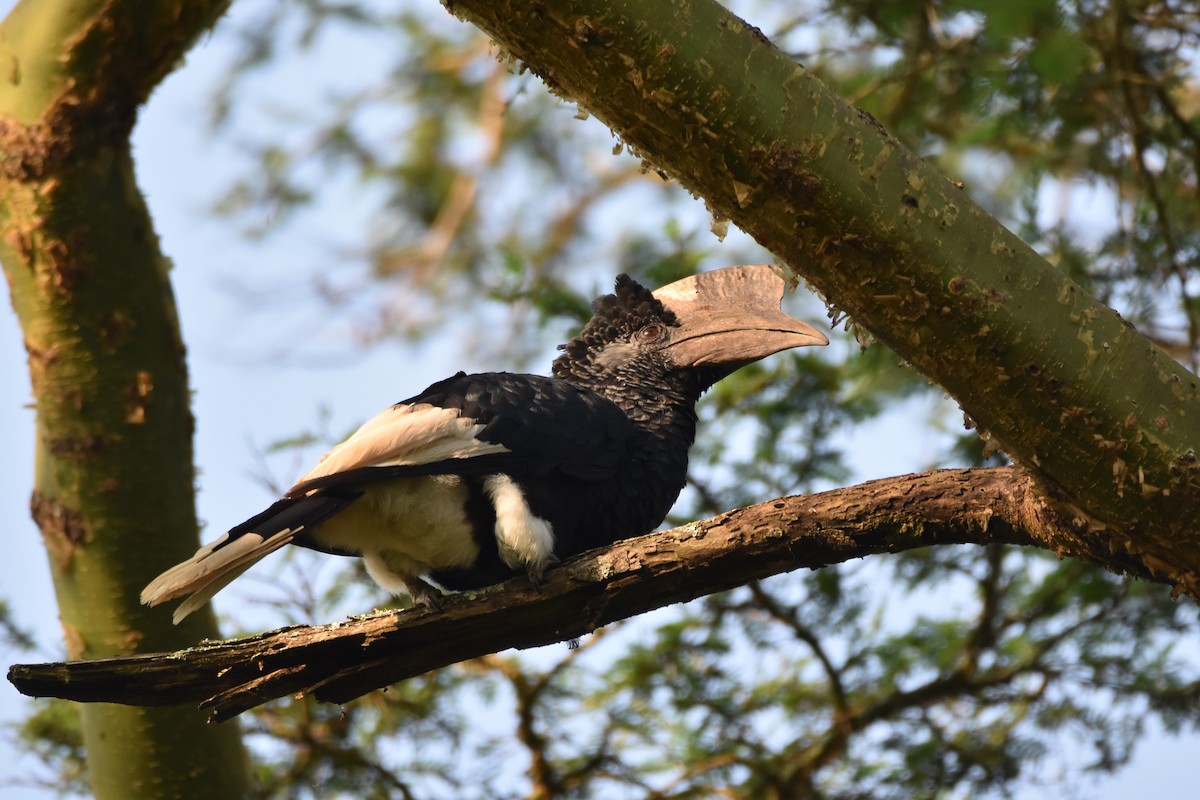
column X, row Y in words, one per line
column 113, row 492
column 1060, row 381
column 345, row 660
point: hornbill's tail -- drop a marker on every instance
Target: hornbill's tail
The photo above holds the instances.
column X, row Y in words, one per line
column 218, row 563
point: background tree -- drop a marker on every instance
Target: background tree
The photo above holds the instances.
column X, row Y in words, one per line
column 847, row 698
column 113, row 455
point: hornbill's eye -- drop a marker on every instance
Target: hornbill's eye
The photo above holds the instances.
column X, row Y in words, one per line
column 651, row 333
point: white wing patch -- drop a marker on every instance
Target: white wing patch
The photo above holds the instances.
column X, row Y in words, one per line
column 406, row 434
column 525, row 540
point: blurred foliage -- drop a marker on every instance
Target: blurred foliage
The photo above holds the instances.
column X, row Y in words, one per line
column 53, row 735
column 1043, row 107
column 953, row 672
column 12, row 635
column 479, row 188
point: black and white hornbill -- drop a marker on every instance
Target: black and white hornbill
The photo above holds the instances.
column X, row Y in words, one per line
column 480, row 477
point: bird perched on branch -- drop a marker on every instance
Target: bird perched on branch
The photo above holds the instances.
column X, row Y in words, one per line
column 481, row 477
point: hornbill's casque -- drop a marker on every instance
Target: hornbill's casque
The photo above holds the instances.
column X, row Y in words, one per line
column 482, row 476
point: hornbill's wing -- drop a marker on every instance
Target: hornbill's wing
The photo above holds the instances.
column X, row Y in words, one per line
column 478, row 425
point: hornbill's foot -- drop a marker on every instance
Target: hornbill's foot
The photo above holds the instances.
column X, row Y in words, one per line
column 537, row 572
column 424, row 595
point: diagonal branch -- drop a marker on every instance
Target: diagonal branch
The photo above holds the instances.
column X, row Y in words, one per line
column 1065, row 386
column 345, row 660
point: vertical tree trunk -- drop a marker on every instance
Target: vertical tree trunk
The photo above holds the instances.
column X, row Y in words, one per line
column 113, row 491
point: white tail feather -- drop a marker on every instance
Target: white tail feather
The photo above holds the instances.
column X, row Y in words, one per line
column 196, row 601
column 211, row 570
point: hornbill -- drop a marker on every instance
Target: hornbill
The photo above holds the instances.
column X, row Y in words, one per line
column 482, row 476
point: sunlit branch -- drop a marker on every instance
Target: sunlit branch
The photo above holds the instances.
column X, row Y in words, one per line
column 345, row 660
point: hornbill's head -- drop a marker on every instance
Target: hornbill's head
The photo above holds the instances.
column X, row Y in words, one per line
column 699, row 329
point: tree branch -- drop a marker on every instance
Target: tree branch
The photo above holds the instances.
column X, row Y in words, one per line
column 345, row 660
column 1069, row 389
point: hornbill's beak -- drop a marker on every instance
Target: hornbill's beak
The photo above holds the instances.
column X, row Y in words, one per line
column 730, row 317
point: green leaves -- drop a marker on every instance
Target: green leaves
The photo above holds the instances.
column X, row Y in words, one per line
column 53, row 734
column 1061, row 57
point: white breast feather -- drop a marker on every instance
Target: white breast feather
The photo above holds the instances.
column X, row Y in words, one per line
column 405, row 528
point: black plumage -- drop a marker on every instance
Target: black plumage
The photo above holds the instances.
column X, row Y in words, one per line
column 480, row 477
